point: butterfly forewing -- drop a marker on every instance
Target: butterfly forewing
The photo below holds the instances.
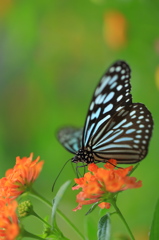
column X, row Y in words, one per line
column 112, row 92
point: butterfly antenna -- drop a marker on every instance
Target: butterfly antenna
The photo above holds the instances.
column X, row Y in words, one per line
column 72, row 164
column 59, row 174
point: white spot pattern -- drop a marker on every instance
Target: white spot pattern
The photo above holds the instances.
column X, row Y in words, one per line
column 102, row 86
column 113, row 85
column 100, row 99
column 119, row 87
column 114, row 78
column 118, row 68
column 108, row 108
column 119, row 98
column 92, row 106
column 132, row 113
column 109, row 97
column 111, row 69
column 95, row 114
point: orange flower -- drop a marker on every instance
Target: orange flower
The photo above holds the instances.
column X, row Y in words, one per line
column 102, row 184
column 9, row 228
column 20, row 177
column 115, row 29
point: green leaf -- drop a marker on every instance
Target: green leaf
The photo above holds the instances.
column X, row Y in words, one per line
column 92, row 208
column 90, row 226
column 154, row 233
column 57, row 199
column 104, row 228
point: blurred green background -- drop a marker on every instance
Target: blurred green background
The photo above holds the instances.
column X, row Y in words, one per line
column 52, row 55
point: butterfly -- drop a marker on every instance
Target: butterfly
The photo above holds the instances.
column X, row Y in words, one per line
column 114, row 126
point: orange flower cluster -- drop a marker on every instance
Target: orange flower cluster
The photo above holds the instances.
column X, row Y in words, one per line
column 102, row 184
column 20, row 177
column 9, row 228
column 17, row 181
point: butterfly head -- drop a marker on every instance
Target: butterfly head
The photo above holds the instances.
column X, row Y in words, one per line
column 83, row 155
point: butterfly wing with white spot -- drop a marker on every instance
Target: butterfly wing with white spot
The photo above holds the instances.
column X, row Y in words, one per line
column 112, row 92
column 70, row 138
column 126, row 136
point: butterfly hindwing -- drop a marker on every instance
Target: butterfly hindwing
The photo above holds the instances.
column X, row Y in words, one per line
column 126, row 136
column 71, row 138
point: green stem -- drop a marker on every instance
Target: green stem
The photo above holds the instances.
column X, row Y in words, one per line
column 36, row 215
column 122, row 218
column 41, row 198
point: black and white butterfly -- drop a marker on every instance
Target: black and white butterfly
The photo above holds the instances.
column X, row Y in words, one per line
column 114, row 127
